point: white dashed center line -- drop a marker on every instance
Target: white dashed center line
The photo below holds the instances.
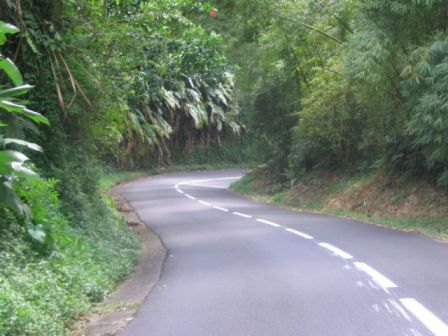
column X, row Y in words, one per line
column 268, row 222
column 300, row 234
column 376, row 276
column 242, row 214
column 336, row 251
column 219, row 208
column 428, row 319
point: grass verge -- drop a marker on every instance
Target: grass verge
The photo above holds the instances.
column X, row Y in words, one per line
column 403, row 204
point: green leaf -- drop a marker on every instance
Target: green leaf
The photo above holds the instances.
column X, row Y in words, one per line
column 16, row 91
column 6, row 28
column 31, row 44
column 12, row 71
column 37, row 233
column 11, row 200
column 23, row 143
column 20, row 170
column 9, row 156
column 16, row 108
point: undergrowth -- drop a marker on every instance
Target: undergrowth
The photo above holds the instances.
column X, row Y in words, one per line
column 46, row 285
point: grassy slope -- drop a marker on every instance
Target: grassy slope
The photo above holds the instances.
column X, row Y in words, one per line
column 402, row 204
column 44, row 293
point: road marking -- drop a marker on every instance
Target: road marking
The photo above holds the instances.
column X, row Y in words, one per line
column 413, row 332
column 376, row 276
column 300, row 234
column 242, row 214
column 388, row 308
column 268, row 222
column 399, row 308
column 336, row 251
column 432, row 322
column 180, row 191
column 204, row 203
column 219, row 208
column 209, row 180
column 190, row 197
column 373, row 284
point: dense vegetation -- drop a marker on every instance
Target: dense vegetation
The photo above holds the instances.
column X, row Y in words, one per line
column 129, row 84
column 352, row 84
column 356, row 86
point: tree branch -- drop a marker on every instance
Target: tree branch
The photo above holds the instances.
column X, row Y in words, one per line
column 316, row 30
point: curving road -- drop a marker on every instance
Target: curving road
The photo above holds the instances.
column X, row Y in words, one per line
column 240, row 268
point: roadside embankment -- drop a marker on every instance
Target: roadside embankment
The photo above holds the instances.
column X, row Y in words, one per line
column 379, row 199
column 51, row 280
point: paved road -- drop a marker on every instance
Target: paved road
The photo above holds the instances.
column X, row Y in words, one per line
column 239, row 268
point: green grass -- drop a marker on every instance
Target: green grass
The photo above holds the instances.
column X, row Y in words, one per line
column 257, row 186
column 112, row 177
column 434, row 227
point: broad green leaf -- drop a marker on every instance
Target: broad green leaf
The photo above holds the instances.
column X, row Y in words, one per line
column 6, row 28
column 20, row 170
column 12, row 71
column 16, row 91
column 17, row 108
column 24, row 143
column 10, row 199
column 198, row 113
column 9, row 156
column 11, row 107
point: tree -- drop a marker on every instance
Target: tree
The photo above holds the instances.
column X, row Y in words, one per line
column 14, row 118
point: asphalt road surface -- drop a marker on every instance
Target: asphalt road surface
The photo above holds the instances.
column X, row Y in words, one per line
column 236, row 267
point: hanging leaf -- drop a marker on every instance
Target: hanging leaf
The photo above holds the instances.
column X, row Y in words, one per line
column 16, row 91
column 11, row 70
column 170, row 100
column 6, row 28
column 9, row 156
column 9, row 197
column 21, row 109
column 23, row 143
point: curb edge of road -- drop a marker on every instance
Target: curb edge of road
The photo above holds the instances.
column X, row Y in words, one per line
column 121, row 306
